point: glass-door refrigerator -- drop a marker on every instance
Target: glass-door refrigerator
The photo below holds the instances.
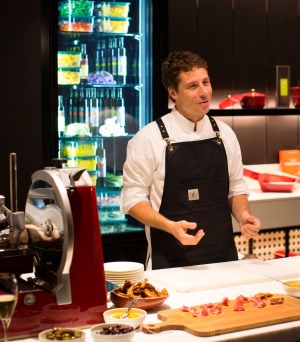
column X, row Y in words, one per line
column 103, row 86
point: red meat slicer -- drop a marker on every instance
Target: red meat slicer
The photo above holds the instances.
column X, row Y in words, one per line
column 55, row 250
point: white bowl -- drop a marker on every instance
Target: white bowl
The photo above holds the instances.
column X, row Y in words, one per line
column 292, row 290
column 43, row 334
column 115, row 338
column 135, row 318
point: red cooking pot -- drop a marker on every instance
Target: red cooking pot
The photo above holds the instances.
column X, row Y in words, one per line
column 253, row 100
column 295, row 91
column 296, row 100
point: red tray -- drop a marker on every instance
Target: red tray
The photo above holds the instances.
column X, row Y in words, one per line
column 272, row 183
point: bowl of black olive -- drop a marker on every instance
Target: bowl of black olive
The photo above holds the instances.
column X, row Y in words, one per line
column 112, row 332
column 62, row 334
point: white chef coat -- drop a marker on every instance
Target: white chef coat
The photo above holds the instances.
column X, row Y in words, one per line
column 144, row 168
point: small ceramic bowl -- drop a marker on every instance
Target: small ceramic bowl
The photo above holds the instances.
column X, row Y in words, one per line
column 135, row 318
column 45, row 336
column 114, row 337
column 292, row 287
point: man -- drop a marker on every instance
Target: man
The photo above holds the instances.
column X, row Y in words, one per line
column 183, row 175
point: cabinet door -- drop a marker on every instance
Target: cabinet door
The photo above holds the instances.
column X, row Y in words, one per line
column 215, row 40
column 249, row 45
column 182, row 28
column 283, row 36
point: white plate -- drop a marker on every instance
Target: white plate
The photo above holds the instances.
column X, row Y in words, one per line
column 122, row 266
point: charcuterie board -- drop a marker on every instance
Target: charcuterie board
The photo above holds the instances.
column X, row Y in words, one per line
column 229, row 320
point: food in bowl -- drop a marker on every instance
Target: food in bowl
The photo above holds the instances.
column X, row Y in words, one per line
column 113, row 9
column 148, row 296
column 68, row 59
column 59, row 334
column 112, row 24
column 112, row 332
column 135, row 317
column 292, row 287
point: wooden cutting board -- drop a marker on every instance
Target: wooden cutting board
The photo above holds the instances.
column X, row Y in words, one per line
column 228, row 321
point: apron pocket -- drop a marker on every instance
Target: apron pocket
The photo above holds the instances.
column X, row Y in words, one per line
column 197, row 194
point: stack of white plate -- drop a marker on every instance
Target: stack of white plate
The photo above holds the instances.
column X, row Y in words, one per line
column 119, row 271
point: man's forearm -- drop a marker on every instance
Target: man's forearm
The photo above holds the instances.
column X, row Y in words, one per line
column 145, row 214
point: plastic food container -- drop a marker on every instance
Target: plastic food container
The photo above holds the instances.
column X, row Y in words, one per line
column 112, row 24
column 76, row 7
column 90, row 164
column 112, row 9
column 76, row 24
column 66, row 76
column 68, row 59
column 79, row 148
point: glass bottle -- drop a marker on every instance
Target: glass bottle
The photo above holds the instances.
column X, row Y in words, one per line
column 84, row 64
column 94, row 113
column 61, row 116
column 120, row 108
column 121, row 62
column 101, row 181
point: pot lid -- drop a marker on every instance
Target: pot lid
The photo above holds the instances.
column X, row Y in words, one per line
column 253, row 93
column 230, row 100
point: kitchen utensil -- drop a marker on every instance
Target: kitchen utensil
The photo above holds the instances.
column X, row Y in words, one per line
column 130, row 307
column 280, row 281
column 253, row 100
column 229, row 321
column 230, row 100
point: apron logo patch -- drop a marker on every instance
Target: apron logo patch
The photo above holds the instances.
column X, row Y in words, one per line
column 193, row 194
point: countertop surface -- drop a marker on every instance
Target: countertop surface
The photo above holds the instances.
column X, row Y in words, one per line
column 191, row 287
column 280, row 332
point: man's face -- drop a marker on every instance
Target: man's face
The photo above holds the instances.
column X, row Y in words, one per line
column 194, row 94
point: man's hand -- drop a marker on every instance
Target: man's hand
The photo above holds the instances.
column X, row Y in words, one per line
column 250, row 226
column 180, row 231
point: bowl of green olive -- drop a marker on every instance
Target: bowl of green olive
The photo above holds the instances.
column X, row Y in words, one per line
column 62, row 334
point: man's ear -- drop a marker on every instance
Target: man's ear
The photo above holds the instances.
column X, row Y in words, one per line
column 172, row 93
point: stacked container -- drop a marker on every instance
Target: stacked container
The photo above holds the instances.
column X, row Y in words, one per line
column 112, row 17
column 76, row 16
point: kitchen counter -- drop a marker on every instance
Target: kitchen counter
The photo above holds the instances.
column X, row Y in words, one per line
column 286, row 332
column 274, row 209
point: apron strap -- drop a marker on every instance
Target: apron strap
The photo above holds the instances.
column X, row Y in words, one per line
column 164, row 134
column 215, row 128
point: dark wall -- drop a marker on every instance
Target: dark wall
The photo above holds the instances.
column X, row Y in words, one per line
column 21, row 114
column 241, row 40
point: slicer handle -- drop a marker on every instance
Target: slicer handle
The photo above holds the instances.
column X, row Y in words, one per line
column 76, row 176
column 58, row 162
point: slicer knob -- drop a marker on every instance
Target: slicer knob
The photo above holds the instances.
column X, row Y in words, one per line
column 58, row 162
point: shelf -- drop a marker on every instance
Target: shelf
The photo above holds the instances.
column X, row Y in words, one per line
column 255, row 112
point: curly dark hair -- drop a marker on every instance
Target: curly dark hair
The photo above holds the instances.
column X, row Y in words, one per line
column 177, row 62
